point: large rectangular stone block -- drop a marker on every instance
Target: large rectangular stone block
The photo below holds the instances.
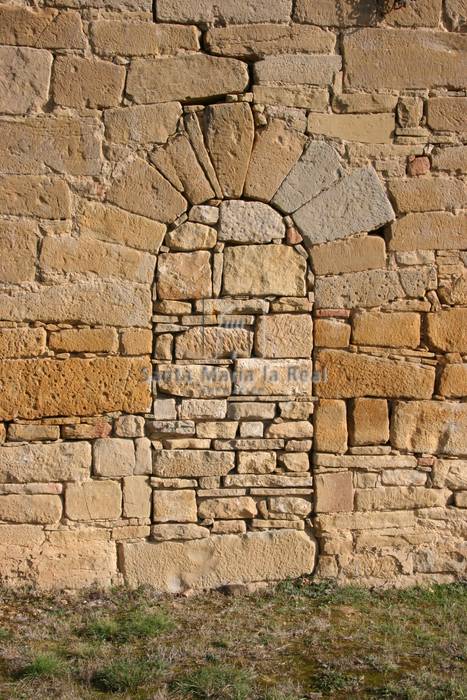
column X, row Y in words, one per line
column 394, row 330
column 282, row 271
column 273, row 377
column 447, row 330
column 352, row 255
column 93, row 500
column 399, row 497
column 364, row 128
column 447, row 113
column 284, row 336
column 18, row 243
column 63, row 461
column 46, row 28
column 349, row 375
column 218, row 560
column 22, row 342
column 427, row 194
column 194, row 381
column 41, row 509
column 192, row 463
column 74, row 387
column 258, row 40
column 24, row 77
column 436, row 427
column 396, row 59
column 297, row 69
column 429, row 231
column 82, row 82
column 48, row 198
column 110, row 37
column 223, row 13
column 425, row 13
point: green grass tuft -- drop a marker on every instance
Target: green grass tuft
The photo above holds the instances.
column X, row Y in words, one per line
column 43, row 665
column 121, row 676
column 5, row 634
column 135, row 624
column 216, row 682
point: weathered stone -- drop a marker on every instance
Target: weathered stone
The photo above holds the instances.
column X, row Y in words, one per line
column 373, row 288
column 369, row 422
column 184, row 275
column 136, row 341
column 39, row 509
column 228, row 508
column 460, row 499
column 446, row 330
column 317, row 169
column 436, row 427
column 433, row 231
column 225, row 430
column 118, row 302
column 394, row 59
column 230, row 133
column 284, row 335
column 295, row 462
column 73, row 387
column 330, row 426
column 129, row 426
column 114, row 225
column 184, row 78
column 191, row 236
column 425, row 13
column 362, row 102
column 447, row 113
column 178, row 532
column 298, row 69
column 355, row 204
column 194, row 381
column 351, row 375
column 229, row 12
column 142, row 123
column 45, row 28
column 256, row 462
column 81, row 82
column 258, row 270
column 275, row 151
column 352, row 255
column 18, row 242
column 453, row 381
column 34, row 144
column 63, row 461
column 136, row 497
column 334, row 492
column 294, row 429
column 452, row 158
column 203, row 408
column 403, row 477
column 84, row 340
column 204, row 214
column 450, row 473
column 110, row 37
column 394, row 330
column 249, row 222
column 268, row 481
column 24, row 78
column 399, row 497
column 252, row 411
column 301, row 96
column 288, row 505
column 427, row 194
column 142, row 190
column 114, row 457
column 192, row 463
column 364, row 128
column 273, row 377
column 186, row 169
column 31, row 432
column 367, row 462
column 210, row 343
column 62, row 254
column 47, row 198
column 252, row 41
column 178, row 506
column 218, row 560
column 93, row 500
column 331, row 334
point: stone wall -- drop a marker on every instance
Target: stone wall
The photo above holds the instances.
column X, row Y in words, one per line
column 233, row 292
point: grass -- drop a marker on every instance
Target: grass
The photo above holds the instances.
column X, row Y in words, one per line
column 296, row 641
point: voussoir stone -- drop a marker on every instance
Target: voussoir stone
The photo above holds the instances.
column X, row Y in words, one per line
column 297, row 69
column 284, row 335
column 192, row 463
column 317, row 169
column 184, row 275
column 351, row 375
column 436, row 427
column 249, row 222
column 143, row 190
column 63, row 461
column 210, row 343
column 264, row 269
column 230, row 132
column 185, row 78
column 24, row 79
column 218, row 560
column 74, row 387
column 355, row 204
column 223, row 13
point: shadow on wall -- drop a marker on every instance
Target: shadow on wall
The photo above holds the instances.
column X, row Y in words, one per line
column 366, row 12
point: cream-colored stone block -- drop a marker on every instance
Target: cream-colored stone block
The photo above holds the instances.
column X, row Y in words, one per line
column 334, row 492
column 369, row 422
column 93, row 500
column 330, row 426
column 178, row 506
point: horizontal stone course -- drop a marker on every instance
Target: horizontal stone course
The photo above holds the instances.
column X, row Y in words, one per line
column 224, row 13
column 45, row 463
column 257, row 40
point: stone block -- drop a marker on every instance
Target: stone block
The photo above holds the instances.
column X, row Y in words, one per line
column 436, row 427
column 294, row 429
column 399, row 498
column 447, row 113
column 460, row 499
column 192, row 463
column 350, row 375
column 40, row 509
column 225, row 560
column 178, row 532
column 64, row 461
column 228, row 508
column 451, row 158
column 369, row 422
column 330, row 426
column 143, row 456
column 93, row 500
column 453, row 381
column 249, row 222
column 184, row 78
column 114, row 457
column 256, row 462
column 427, row 194
column 362, row 102
column 21, row 342
column 298, row 96
column 251, row 411
column 351, row 255
column 136, row 497
column 226, row 430
column 111, row 37
column 357, row 203
column 43, row 29
column 257, row 377
column 403, row 477
column 203, row 409
column 129, row 427
column 425, row 14
column 179, row 506
column 284, row 335
column 47, row 198
column 297, row 69
column 184, row 275
column 253, row 41
column 331, row 334
column 209, row 343
column 363, row 128
column 81, row 82
column 73, row 387
column 333, row 492
column 280, row 506
column 395, row 330
column 142, row 123
column 25, row 77
column 295, row 462
column 282, row 271
column 394, row 59
column 429, row 231
column 137, row 341
column 194, row 381
column 31, row 432
column 191, row 236
column 447, row 330
column 229, row 12
column 18, row 242
column 84, row 340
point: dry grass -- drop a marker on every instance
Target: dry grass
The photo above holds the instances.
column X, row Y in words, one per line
column 292, row 642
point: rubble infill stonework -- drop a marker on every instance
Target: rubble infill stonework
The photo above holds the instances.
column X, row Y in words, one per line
column 233, row 293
